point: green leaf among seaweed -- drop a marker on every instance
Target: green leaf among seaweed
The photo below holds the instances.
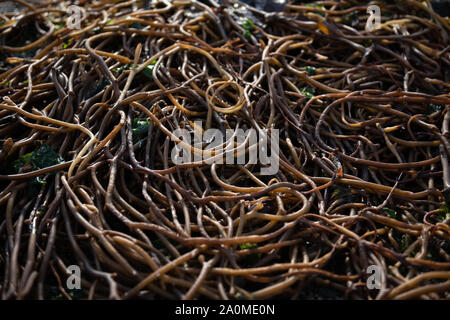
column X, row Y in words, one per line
column 433, row 108
column 248, row 246
column 313, row 5
column 41, row 158
column 139, row 128
column 248, row 27
column 444, row 213
column 308, row 92
column 311, row 70
column 391, row 212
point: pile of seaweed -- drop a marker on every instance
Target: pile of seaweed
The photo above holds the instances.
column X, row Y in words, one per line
column 93, row 91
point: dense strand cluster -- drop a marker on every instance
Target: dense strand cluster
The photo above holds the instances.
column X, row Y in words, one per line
column 87, row 122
